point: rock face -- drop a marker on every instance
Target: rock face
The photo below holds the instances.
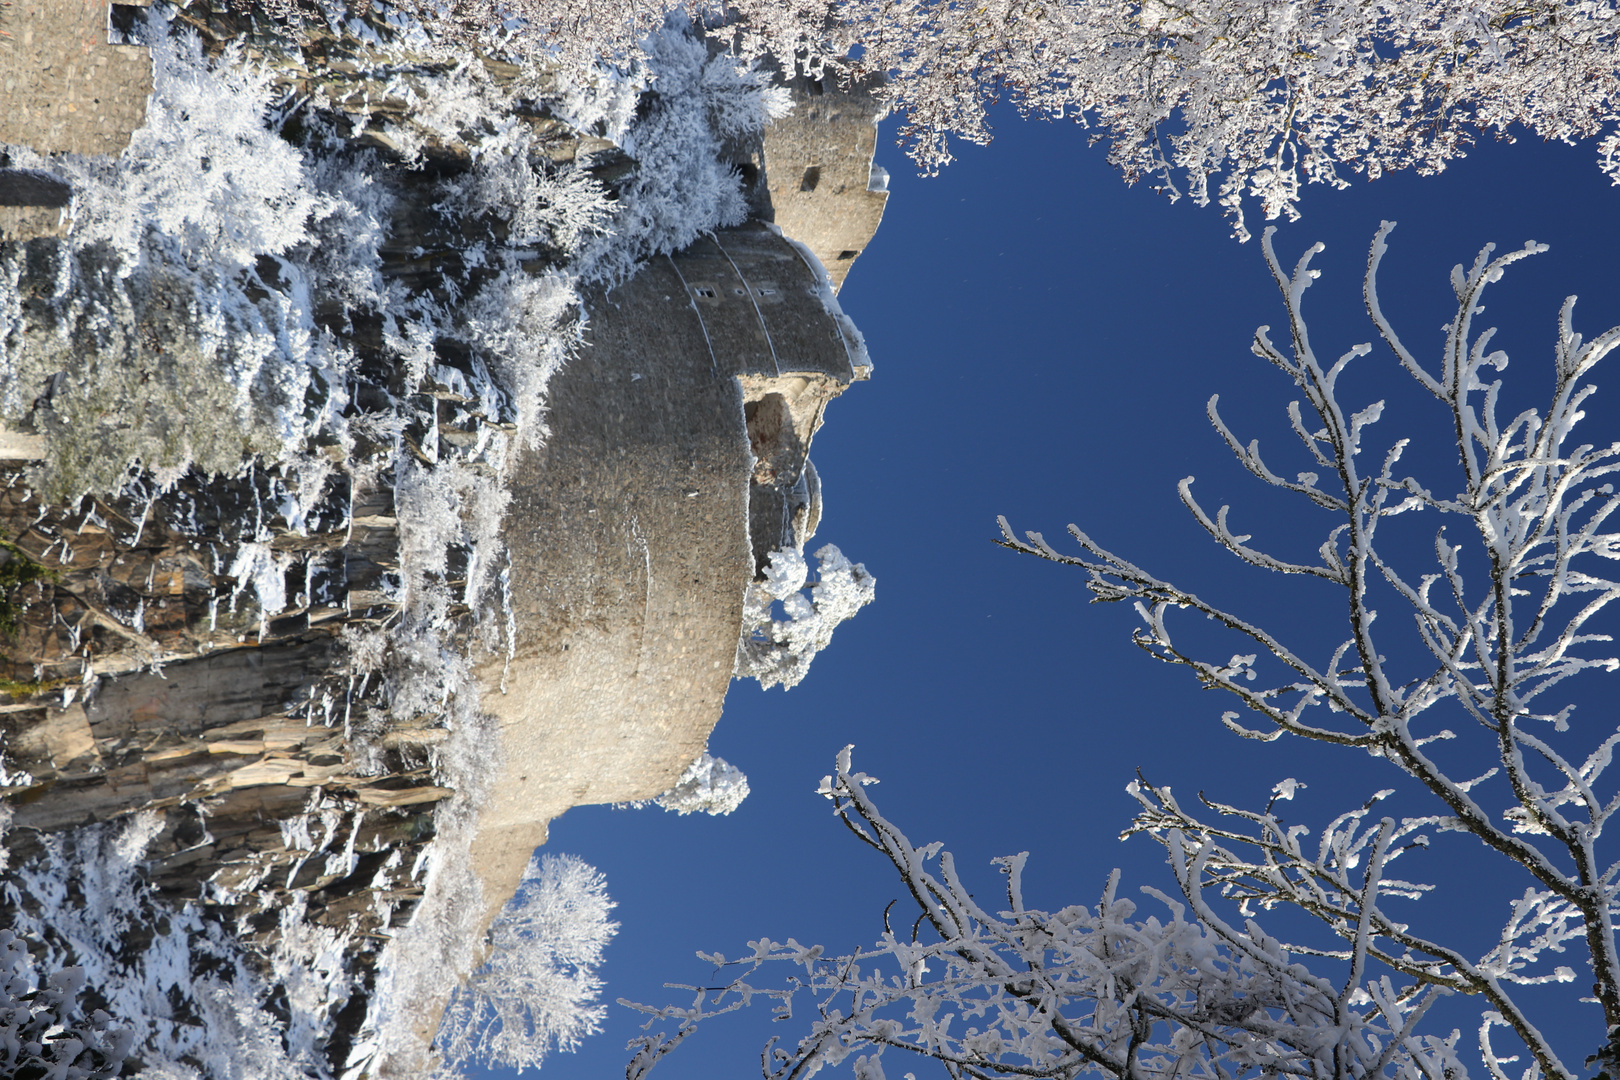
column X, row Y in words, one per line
column 142, row 679
column 137, row 677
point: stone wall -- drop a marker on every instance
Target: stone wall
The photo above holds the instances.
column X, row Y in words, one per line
column 636, row 529
column 65, row 89
column 677, row 461
column 825, row 190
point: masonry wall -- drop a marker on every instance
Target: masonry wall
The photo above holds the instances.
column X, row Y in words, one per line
column 819, row 164
column 636, row 529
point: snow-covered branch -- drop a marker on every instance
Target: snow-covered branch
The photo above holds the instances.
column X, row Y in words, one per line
column 537, row 992
column 1013, row 991
column 1217, row 100
column 1503, row 621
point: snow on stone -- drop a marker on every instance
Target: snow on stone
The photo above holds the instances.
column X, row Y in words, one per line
column 246, row 231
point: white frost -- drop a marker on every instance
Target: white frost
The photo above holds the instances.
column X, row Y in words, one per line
column 710, row 785
column 538, row 990
column 779, row 651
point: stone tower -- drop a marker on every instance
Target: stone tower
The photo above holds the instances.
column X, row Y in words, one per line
column 826, row 192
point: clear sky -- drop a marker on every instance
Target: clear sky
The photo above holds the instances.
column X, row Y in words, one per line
column 1045, row 339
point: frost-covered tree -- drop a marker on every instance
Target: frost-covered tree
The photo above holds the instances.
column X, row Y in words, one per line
column 1216, row 99
column 1507, row 609
column 537, row 991
column 1231, row 98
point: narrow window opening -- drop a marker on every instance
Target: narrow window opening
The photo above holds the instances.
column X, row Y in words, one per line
column 845, row 256
column 812, row 177
column 121, row 22
column 32, row 187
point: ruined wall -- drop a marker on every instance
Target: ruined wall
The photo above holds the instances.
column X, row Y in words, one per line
column 634, row 531
column 66, row 88
column 825, row 190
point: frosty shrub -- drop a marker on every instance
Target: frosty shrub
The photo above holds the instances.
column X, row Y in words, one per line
column 1504, row 614
column 710, row 785
column 779, row 651
column 682, row 187
column 43, row 1030
column 538, row 990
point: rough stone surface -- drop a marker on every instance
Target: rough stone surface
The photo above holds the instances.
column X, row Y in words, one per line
column 65, row 89
column 818, row 163
column 128, row 684
column 678, row 459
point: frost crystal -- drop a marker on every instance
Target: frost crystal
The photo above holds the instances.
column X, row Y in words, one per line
column 709, row 785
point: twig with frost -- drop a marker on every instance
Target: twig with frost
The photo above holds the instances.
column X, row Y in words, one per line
column 1010, row 991
column 1503, row 616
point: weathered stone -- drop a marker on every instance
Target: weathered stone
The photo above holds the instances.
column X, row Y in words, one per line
column 144, row 678
column 63, row 87
column 825, row 190
column 630, row 533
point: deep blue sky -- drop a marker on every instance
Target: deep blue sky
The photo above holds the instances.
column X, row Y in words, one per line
column 1045, row 339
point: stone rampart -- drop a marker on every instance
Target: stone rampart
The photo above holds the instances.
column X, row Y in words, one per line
column 636, row 529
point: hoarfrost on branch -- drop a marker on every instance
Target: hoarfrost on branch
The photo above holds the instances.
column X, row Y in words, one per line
column 710, row 785
column 1504, row 616
column 1020, row 992
column 1215, row 99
